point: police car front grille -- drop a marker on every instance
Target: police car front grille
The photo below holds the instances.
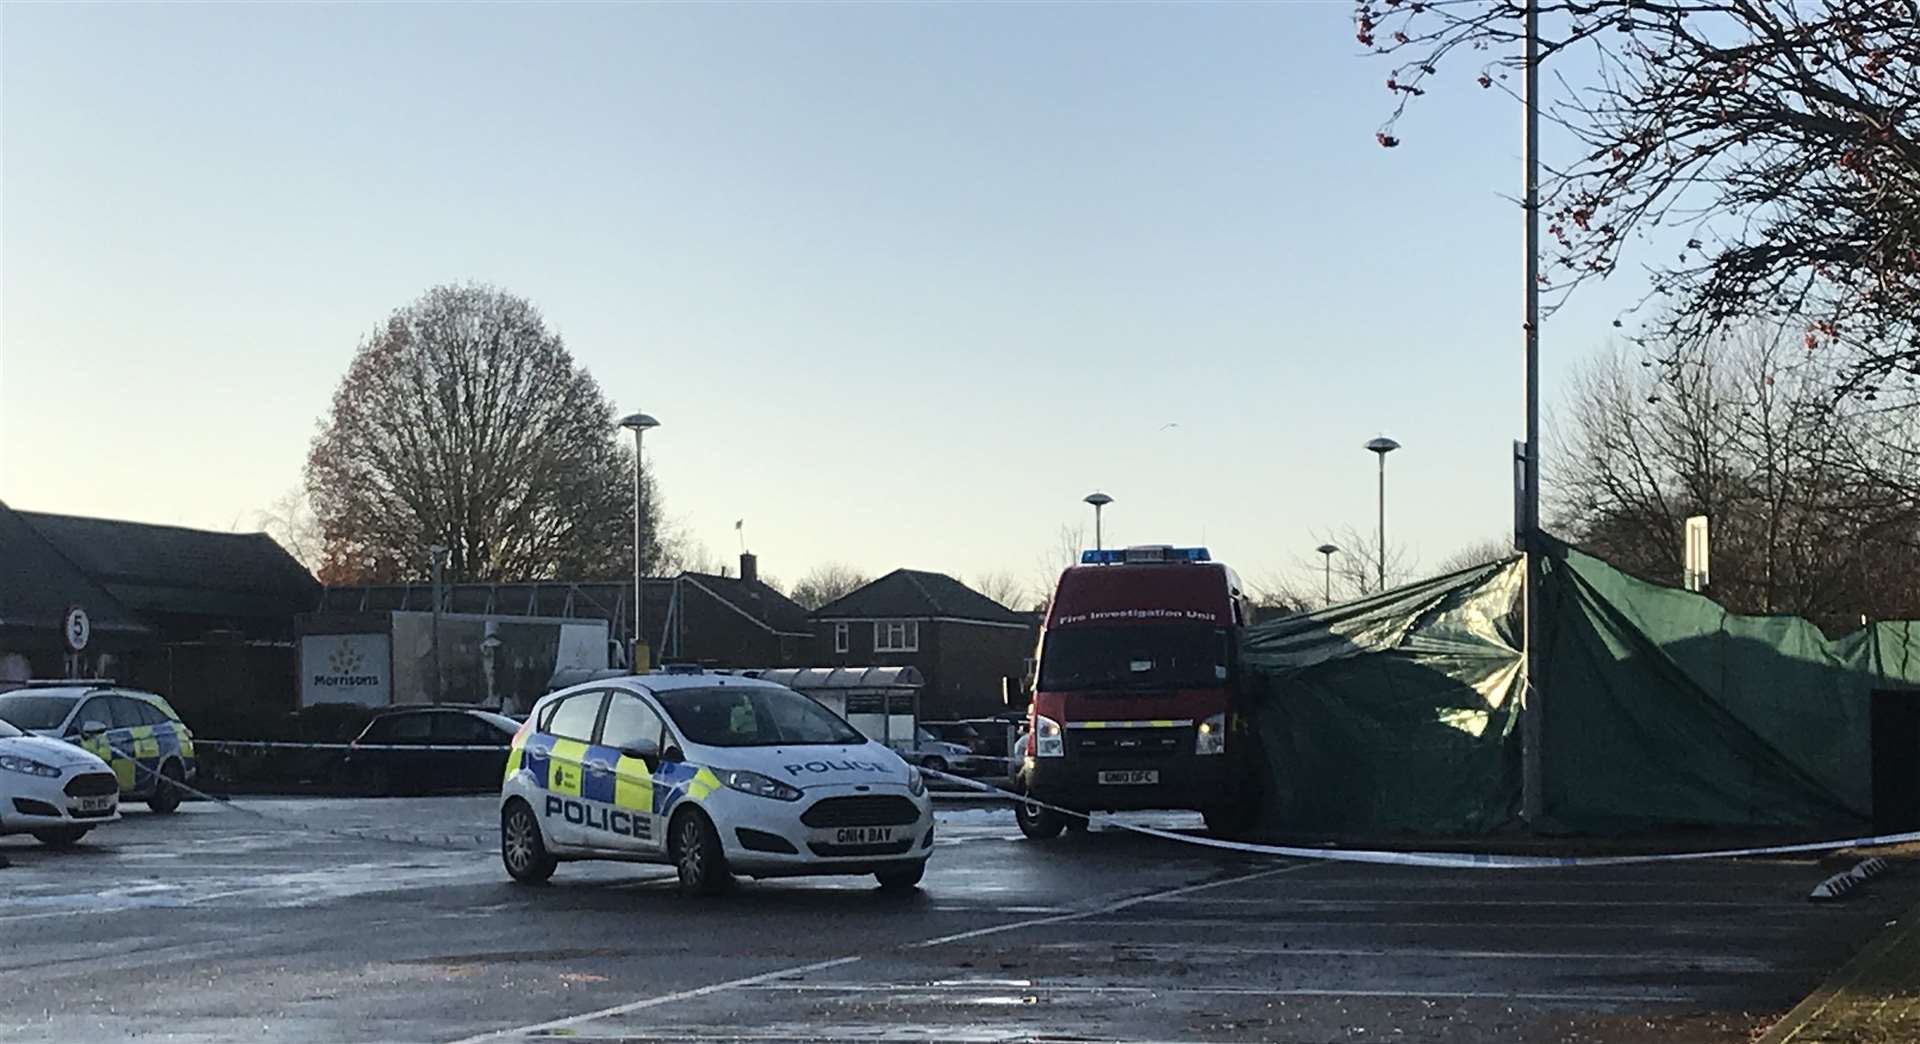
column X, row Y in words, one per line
column 889, row 848
column 861, row 811
column 93, row 784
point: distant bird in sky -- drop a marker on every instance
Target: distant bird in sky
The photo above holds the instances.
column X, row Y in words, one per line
column 1169, row 424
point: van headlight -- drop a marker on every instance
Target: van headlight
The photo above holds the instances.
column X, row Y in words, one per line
column 916, row 783
column 1211, row 736
column 1048, row 740
column 759, row 786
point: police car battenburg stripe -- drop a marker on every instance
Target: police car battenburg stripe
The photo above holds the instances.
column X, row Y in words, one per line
column 632, row 784
column 563, row 766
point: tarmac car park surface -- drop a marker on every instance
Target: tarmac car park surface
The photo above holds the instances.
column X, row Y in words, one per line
column 214, row 924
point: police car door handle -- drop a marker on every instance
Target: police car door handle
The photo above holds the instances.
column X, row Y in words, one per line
column 594, row 768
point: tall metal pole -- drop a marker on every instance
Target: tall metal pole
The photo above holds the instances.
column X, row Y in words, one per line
column 1383, row 522
column 1381, row 447
column 634, row 648
column 439, row 676
column 1098, row 500
column 1532, row 727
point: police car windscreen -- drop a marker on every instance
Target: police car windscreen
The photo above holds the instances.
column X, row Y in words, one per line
column 754, row 717
column 34, row 712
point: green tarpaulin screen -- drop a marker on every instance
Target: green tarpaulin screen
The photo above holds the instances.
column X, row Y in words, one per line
column 1399, row 713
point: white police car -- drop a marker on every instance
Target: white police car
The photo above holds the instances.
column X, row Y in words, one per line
column 716, row 774
column 53, row 790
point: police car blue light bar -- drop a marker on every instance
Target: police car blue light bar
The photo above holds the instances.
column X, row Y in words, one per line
column 1146, row 554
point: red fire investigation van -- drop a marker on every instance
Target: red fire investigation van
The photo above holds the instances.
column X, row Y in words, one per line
column 1133, row 707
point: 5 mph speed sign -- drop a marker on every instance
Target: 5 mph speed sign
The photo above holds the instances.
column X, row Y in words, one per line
column 78, row 629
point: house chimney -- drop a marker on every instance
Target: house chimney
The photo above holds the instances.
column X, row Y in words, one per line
column 749, row 567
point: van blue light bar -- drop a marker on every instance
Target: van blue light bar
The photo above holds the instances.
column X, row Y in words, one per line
column 1149, row 553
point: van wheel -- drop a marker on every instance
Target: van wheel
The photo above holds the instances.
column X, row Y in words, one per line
column 1228, row 821
column 166, row 790
column 698, row 857
column 1039, row 824
column 521, row 847
column 60, row 837
column 901, row 878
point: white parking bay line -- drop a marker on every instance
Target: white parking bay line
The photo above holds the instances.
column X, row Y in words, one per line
column 1164, row 990
column 752, row 981
column 654, row 1002
column 1110, row 908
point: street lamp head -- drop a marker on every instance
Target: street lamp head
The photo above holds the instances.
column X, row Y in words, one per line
column 1099, row 500
column 1382, row 445
column 638, row 422
column 1327, row 549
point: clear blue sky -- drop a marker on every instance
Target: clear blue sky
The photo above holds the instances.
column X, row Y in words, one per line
column 902, row 282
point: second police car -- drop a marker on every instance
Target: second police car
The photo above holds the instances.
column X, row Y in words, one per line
column 717, row 775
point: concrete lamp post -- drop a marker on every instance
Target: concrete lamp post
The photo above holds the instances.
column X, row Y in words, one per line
column 638, row 423
column 1098, row 500
column 1383, row 446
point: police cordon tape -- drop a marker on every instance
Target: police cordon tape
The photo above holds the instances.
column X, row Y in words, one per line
column 1442, row 860
column 1445, row 860
column 369, row 747
column 447, row 842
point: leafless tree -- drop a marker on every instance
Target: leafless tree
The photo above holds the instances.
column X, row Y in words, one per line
column 1356, row 566
column 291, row 523
column 1810, row 500
column 464, row 422
column 1063, row 554
column 1002, row 587
column 1480, row 552
column 683, row 552
column 1770, row 147
column 827, row 582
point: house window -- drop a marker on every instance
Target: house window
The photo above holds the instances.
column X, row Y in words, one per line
column 841, row 641
column 896, row 636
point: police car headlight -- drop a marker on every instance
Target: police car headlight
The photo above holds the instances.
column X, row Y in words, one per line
column 916, row 783
column 14, row 763
column 759, row 786
column 1211, row 736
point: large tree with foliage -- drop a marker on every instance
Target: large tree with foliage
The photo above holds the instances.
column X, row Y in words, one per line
column 464, row 422
column 1767, row 152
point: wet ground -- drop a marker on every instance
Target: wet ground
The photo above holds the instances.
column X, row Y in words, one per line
column 214, row 925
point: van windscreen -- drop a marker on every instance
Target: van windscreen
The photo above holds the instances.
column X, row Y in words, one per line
column 1159, row 656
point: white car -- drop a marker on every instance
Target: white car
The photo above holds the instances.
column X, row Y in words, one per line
column 715, row 774
column 53, row 790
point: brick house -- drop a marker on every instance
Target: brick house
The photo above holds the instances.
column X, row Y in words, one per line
column 971, row 650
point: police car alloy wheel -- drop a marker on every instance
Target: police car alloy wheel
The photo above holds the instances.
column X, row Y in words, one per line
column 521, row 847
column 166, row 790
column 697, row 856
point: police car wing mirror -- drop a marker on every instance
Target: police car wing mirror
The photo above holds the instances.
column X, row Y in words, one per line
column 91, row 729
column 673, row 753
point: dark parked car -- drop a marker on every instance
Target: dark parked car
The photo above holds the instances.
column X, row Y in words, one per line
column 418, row 750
